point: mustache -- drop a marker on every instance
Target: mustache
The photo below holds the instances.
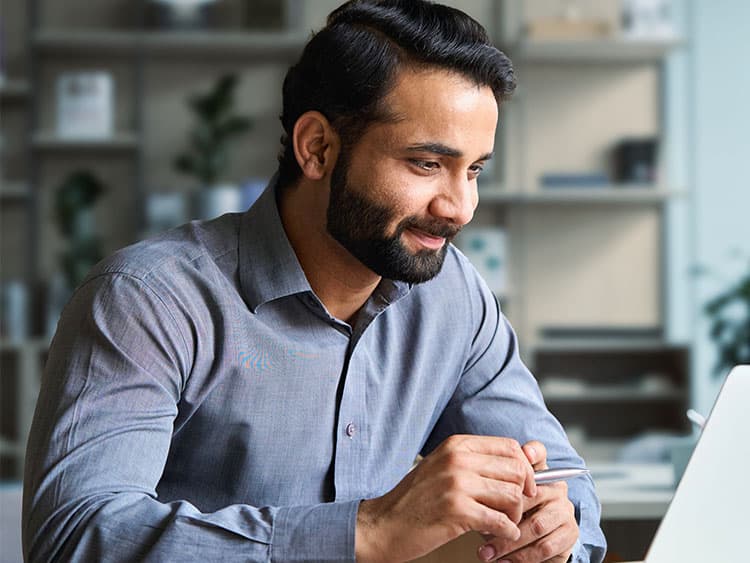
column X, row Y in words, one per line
column 435, row 228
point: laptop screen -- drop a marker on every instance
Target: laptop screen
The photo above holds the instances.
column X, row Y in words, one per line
column 709, row 517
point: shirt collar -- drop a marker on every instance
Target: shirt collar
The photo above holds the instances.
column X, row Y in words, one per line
column 268, row 265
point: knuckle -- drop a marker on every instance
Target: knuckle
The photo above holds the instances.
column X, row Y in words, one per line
column 520, row 468
column 546, row 549
column 453, row 441
column 515, row 494
column 453, row 459
column 515, row 447
column 453, row 481
column 538, row 525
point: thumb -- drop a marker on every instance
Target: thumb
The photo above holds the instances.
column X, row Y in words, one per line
column 536, row 453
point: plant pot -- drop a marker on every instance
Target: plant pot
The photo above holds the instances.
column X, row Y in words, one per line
column 217, row 200
column 179, row 15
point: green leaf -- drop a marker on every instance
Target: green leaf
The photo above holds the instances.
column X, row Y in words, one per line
column 232, row 127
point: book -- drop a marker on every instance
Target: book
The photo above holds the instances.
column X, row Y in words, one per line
column 85, row 105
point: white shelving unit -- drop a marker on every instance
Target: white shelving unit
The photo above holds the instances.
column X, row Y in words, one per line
column 566, row 246
column 153, row 73
column 587, row 258
column 117, row 142
column 27, row 358
column 628, row 195
column 233, row 44
column 13, row 191
column 14, row 89
column 602, row 51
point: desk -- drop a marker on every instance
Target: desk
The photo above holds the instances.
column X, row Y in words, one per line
column 633, row 491
column 634, row 499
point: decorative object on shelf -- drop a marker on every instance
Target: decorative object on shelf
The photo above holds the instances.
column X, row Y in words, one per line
column 207, row 155
column 729, row 315
column 574, row 180
column 15, row 318
column 485, row 247
column 165, row 210
column 569, row 25
column 74, row 209
column 567, row 30
column 85, row 105
column 647, row 19
column 266, row 14
column 179, row 14
column 634, row 161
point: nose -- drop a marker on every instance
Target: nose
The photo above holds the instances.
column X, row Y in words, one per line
column 456, row 201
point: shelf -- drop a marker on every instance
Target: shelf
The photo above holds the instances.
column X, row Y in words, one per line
column 13, row 190
column 613, row 50
column 593, row 395
column 222, row 44
column 11, row 448
column 33, row 344
column 118, row 142
column 610, row 195
column 14, row 90
column 604, row 344
column 614, row 195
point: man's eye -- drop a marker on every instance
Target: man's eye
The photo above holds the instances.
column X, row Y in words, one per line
column 476, row 169
column 428, row 165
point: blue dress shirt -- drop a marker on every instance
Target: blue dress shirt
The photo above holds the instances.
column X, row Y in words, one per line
column 200, row 403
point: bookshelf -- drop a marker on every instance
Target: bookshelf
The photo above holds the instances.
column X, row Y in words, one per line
column 571, row 252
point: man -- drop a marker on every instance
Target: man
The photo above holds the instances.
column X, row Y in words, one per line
column 256, row 387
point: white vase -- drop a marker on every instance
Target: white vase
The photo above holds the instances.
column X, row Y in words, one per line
column 217, row 200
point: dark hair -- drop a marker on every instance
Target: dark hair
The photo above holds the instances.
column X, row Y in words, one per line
column 350, row 65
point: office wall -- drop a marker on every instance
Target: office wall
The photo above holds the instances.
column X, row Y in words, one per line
column 717, row 126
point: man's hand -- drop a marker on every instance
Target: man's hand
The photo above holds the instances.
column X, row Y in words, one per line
column 548, row 528
column 468, row 483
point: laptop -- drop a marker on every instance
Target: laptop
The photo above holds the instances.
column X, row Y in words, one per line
column 709, row 516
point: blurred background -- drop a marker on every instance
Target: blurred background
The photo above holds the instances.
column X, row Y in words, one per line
column 612, row 225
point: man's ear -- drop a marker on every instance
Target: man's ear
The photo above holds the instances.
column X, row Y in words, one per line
column 316, row 145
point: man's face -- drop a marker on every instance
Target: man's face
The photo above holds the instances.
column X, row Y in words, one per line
column 406, row 188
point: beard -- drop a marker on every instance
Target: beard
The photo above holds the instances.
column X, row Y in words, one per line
column 359, row 224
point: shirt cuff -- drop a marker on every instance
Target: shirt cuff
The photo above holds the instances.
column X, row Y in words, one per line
column 321, row 532
column 580, row 554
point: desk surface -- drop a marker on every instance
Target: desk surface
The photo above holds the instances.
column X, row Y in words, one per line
column 633, row 491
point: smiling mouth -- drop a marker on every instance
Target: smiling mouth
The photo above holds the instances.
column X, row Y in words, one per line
column 426, row 240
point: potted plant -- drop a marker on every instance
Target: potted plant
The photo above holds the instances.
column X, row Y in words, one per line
column 207, row 155
column 74, row 208
column 729, row 314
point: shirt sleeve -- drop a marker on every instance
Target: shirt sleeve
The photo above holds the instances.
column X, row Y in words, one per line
column 100, row 440
column 497, row 395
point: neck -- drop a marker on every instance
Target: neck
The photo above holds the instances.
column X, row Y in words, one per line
column 339, row 280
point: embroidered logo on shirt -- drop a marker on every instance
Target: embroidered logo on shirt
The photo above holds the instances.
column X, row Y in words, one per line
column 262, row 360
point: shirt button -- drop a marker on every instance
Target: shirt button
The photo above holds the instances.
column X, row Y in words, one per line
column 351, row 429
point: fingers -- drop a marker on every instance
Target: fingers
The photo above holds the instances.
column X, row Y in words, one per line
column 498, row 458
column 495, row 482
column 555, row 547
column 495, row 524
column 548, row 532
column 500, row 496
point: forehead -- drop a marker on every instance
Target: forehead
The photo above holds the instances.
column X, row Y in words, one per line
column 440, row 105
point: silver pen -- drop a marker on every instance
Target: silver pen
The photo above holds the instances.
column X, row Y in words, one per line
column 558, row 474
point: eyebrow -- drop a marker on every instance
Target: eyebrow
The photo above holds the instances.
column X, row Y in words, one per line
column 440, row 148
